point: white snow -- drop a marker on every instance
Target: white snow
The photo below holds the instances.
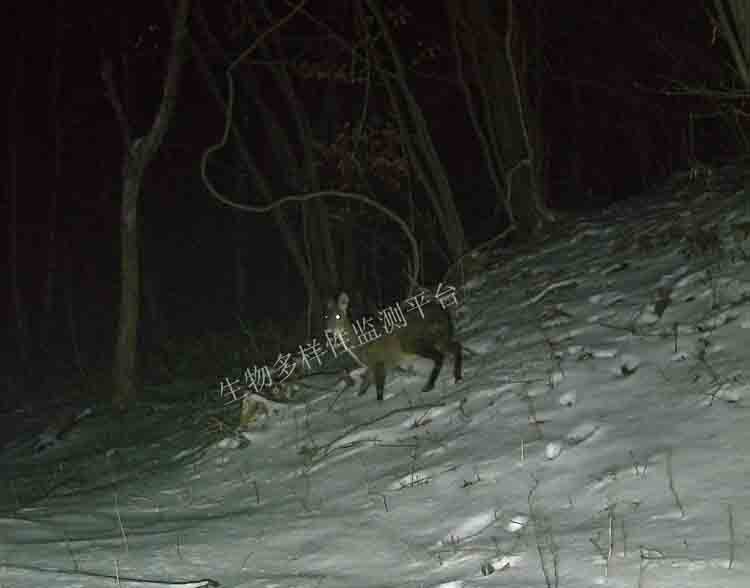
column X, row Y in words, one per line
column 593, row 442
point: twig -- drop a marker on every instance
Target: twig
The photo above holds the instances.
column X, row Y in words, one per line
column 540, row 548
column 611, row 530
column 327, row 447
column 118, row 579
column 119, row 521
column 114, row 100
column 343, row 389
column 672, row 488
column 70, row 550
column 731, row 536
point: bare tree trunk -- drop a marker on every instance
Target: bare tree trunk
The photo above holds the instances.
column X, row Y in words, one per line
column 127, row 326
column 734, row 25
column 499, row 108
column 71, row 314
column 322, row 257
column 240, row 252
column 17, row 311
column 416, row 136
column 55, row 120
column 259, row 182
column 138, row 155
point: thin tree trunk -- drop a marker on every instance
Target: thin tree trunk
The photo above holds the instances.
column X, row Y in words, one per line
column 138, row 155
column 322, row 256
column 422, row 151
column 496, row 94
column 71, row 314
column 241, row 243
column 257, row 179
column 127, row 327
column 18, row 316
column 52, row 254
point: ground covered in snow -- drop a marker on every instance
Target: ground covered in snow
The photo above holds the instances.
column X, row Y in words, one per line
column 600, row 437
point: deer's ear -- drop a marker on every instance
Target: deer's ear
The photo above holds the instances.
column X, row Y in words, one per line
column 343, row 301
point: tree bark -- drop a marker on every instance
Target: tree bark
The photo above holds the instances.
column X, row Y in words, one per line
column 138, row 155
column 17, row 310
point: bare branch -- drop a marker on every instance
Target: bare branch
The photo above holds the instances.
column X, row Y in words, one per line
column 114, row 100
column 174, row 66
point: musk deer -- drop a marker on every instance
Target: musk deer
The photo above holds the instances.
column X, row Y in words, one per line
column 428, row 332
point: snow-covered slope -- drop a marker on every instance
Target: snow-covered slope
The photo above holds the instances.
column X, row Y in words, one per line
column 601, row 436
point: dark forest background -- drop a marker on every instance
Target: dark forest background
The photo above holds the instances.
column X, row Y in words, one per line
column 478, row 124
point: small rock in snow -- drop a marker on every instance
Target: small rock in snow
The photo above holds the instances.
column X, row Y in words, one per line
column 581, row 433
column 553, row 450
column 568, row 399
column 517, row 523
column 229, row 443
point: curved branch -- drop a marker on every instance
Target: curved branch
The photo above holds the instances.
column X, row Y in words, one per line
column 293, row 198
